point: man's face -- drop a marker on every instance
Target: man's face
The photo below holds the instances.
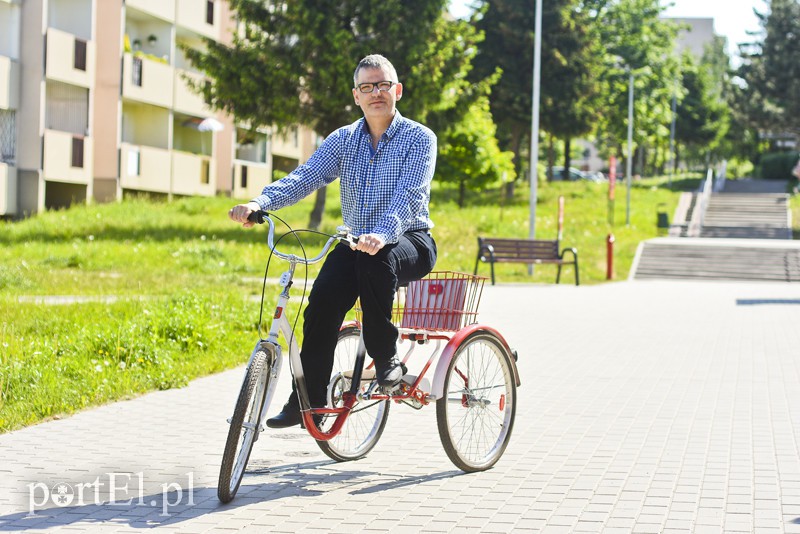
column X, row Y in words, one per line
column 378, row 104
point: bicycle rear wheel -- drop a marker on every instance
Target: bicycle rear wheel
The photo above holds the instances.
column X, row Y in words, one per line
column 364, row 425
column 244, row 425
column 476, row 413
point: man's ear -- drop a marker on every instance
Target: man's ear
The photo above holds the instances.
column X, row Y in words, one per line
column 399, row 91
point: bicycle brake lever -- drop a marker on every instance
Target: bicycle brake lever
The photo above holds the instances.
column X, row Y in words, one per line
column 257, row 217
column 344, row 235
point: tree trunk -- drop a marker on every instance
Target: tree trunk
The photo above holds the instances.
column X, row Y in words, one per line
column 516, row 145
column 319, row 208
column 462, row 188
column 551, row 157
column 567, row 157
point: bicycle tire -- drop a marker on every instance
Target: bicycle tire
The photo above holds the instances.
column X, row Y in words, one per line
column 365, row 423
column 243, row 430
column 479, row 379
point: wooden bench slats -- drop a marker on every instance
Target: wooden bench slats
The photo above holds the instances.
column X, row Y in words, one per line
column 532, row 251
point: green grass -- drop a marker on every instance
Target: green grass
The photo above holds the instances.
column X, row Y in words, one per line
column 187, row 281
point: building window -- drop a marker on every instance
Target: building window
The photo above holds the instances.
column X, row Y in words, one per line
column 80, row 54
column 8, row 136
column 210, row 12
column 136, row 72
column 77, row 152
column 205, row 171
column 244, row 177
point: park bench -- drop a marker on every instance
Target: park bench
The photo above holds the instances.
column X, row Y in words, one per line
column 493, row 250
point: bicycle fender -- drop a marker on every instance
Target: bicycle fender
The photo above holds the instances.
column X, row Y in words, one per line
column 450, row 349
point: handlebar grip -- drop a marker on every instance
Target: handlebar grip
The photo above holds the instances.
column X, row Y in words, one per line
column 257, row 217
column 349, row 240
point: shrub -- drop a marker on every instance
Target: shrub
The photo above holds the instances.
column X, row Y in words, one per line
column 778, row 165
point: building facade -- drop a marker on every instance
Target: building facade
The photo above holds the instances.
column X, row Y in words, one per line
column 95, row 102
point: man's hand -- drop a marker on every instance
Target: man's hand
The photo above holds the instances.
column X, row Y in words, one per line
column 241, row 212
column 370, row 243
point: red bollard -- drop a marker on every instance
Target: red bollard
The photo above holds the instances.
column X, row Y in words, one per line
column 610, row 257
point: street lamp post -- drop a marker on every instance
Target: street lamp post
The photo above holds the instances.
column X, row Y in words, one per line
column 534, row 155
column 672, row 140
column 629, row 159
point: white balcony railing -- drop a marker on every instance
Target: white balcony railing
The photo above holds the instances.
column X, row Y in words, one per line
column 249, row 178
column 9, row 83
column 163, row 9
column 193, row 174
column 287, row 145
column 144, row 168
column 67, row 157
column 8, row 189
column 147, row 80
column 186, row 99
column 205, row 21
column 70, row 59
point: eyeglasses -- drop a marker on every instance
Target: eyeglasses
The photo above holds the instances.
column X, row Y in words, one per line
column 368, row 88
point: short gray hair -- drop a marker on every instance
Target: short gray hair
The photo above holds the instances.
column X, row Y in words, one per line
column 375, row 61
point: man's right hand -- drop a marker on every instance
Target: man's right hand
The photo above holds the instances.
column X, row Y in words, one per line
column 241, row 212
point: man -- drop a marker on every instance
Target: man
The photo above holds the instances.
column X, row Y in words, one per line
column 385, row 164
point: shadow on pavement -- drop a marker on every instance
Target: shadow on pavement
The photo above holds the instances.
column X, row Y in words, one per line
column 161, row 509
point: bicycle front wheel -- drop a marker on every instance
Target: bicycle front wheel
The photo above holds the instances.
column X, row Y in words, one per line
column 476, row 413
column 364, row 425
column 244, row 425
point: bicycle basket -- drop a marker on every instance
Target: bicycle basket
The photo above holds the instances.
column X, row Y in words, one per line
column 443, row 300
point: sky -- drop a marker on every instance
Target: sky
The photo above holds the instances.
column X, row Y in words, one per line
column 732, row 18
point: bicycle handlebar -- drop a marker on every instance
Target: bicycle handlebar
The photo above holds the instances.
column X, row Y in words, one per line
column 342, row 234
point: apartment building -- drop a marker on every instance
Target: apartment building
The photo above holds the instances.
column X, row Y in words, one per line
column 95, row 102
column 9, row 102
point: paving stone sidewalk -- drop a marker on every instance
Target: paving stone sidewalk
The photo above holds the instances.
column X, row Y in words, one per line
column 645, row 406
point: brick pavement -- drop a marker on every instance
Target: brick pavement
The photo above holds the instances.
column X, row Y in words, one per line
column 645, row 407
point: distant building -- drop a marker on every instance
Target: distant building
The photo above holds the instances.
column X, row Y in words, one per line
column 94, row 102
column 699, row 34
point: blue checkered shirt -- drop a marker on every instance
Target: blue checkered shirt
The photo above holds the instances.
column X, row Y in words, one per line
column 384, row 191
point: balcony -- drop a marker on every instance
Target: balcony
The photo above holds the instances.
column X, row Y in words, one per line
column 186, row 100
column 9, row 83
column 8, row 189
column 144, row 168
column 163, row 9
column 147, row 80
column 205, row 21
column 249, row 178
column 193, row 174
column 69, row 59
column 287, row 145
column 67, row 157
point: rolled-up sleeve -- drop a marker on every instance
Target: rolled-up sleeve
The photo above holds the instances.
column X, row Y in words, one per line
column 321, row 169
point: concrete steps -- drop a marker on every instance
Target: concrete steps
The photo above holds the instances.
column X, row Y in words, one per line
column 747, row 216
column 745, row 235
column 717, row 259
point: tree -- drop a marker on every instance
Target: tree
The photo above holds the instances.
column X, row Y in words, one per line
column 771, row 99
column 702, row 113
column 293, row 61
column 637, row 41
column 568, row 83
column 469, row 153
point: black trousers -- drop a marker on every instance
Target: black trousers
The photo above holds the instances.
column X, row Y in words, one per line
column 345, row 276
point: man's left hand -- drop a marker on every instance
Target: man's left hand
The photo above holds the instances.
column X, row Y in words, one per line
column 370, row 243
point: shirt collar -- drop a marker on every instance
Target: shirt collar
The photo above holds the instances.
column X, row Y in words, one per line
column 390, row 132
